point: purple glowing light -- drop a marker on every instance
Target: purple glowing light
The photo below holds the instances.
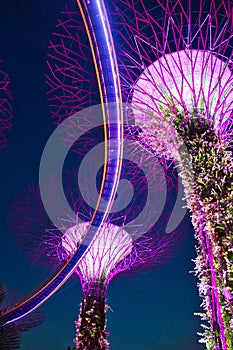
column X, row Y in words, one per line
column 185, row 80
column 111, row 245
column 227, row 294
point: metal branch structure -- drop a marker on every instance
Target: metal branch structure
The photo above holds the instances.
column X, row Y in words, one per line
column 71, row 79
column 6, row 113
column 175, row 59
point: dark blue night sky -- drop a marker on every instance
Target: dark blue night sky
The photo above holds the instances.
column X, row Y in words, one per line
column 151, row 311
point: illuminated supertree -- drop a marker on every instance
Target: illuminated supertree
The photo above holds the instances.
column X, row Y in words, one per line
column 5, row 108
column 175, row 61
column 123, row 245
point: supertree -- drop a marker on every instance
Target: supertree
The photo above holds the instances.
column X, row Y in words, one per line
column 175, row 59
column 5, row 107
column 122, row 245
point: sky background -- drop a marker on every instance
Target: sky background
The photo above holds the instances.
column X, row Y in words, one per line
column 151, row 311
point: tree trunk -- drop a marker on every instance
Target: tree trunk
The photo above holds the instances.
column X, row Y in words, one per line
column 91, row 324
column 211, row 211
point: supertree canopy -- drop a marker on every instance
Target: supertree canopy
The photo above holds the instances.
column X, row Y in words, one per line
column 5, row 107
column 175, row 59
